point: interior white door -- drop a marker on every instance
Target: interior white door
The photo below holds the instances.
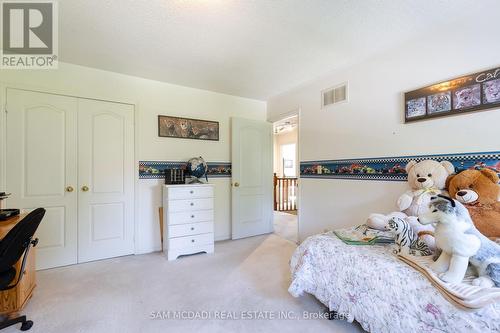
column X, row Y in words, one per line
column 106, row 180
column 252, row 177
column 41, row 169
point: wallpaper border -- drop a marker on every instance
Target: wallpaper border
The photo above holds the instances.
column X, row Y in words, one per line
column 374, row 168
column 156, row 169
column 392, row 168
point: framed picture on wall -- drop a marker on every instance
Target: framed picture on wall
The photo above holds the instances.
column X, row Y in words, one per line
column 478, row 91
column 440, row 102
column 491, row 91
column 467, row 97
column 416, row 107
column 187, row 128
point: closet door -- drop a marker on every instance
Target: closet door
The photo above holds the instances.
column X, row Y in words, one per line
column 41, row 169
column 106, row 180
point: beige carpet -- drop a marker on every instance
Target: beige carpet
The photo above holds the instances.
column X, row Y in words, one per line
column 286, row 226
column 119, row 295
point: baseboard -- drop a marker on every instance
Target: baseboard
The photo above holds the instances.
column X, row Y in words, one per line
column 148, row 250
column 222, row 238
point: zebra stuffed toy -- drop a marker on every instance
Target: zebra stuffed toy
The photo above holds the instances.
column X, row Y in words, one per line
column 406, row 239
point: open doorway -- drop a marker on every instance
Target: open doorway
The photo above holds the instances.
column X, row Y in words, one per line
column 286, row 172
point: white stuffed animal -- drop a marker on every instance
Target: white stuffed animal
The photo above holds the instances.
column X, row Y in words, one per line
column 406, row 239
column 460, row 243
column 426, row 179
column 424, row 232
column 380, row 221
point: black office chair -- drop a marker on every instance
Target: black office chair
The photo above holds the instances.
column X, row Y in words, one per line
column 16, row 243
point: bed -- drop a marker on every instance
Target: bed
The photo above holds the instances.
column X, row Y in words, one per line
column 370, row 285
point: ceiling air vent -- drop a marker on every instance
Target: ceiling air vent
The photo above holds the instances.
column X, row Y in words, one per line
column 335, row 95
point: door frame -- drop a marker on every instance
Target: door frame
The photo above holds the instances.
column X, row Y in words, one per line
column 4, row 85
column 295, row 112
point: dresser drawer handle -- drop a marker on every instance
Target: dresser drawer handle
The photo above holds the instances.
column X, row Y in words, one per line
column 191, row 191
column 192, row 204
column 192, row 216
column 192, row 228
column 192, row 240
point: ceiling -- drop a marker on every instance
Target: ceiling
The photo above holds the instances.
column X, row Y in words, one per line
column 254, row 49
column 285, row 125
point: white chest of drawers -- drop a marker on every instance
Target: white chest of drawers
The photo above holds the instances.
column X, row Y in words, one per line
column 189, row 219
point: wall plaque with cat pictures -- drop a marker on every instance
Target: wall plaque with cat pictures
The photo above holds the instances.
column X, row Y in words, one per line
column 468, row 93
column 186, row 128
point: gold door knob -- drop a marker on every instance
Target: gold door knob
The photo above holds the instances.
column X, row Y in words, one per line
column 85, row 188
column 69, row 189
column 236, row 184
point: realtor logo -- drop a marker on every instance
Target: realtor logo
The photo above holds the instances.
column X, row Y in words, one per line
column 29, row 34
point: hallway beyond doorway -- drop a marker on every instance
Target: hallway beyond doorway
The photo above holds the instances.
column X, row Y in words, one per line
column 286, row 173
column 285, row 225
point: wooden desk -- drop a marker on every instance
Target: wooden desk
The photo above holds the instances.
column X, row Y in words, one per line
column 15, row 299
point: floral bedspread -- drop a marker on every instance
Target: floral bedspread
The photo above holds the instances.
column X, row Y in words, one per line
column 370, row 285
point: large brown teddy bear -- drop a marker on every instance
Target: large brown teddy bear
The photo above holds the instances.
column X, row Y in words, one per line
column 479, row 191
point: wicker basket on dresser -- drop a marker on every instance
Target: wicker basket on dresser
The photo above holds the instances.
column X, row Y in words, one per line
column 188, row 212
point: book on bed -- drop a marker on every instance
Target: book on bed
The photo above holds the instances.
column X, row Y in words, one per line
column 363, row 235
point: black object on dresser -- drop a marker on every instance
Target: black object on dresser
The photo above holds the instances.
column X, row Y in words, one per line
column 6, row 213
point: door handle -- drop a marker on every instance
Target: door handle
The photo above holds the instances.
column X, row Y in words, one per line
column 236, row 184
column 85, row 188
column 69, row 189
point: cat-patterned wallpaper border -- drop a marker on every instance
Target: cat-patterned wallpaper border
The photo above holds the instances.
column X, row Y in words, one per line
column 392, row 168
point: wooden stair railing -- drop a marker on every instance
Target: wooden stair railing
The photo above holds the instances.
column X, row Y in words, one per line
column 285, row 193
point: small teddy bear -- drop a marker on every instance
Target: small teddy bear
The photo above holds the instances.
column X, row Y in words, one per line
column 479, row 191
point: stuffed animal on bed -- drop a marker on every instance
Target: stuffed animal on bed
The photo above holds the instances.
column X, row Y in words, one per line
column 479, row 191
column 426, row 179
column 406, row 239
column 461, row 243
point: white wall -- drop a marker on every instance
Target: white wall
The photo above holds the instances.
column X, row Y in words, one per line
column 371, row 124
column 151, row 98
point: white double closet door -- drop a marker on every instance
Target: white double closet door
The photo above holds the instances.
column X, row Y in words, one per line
column 75, row 158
